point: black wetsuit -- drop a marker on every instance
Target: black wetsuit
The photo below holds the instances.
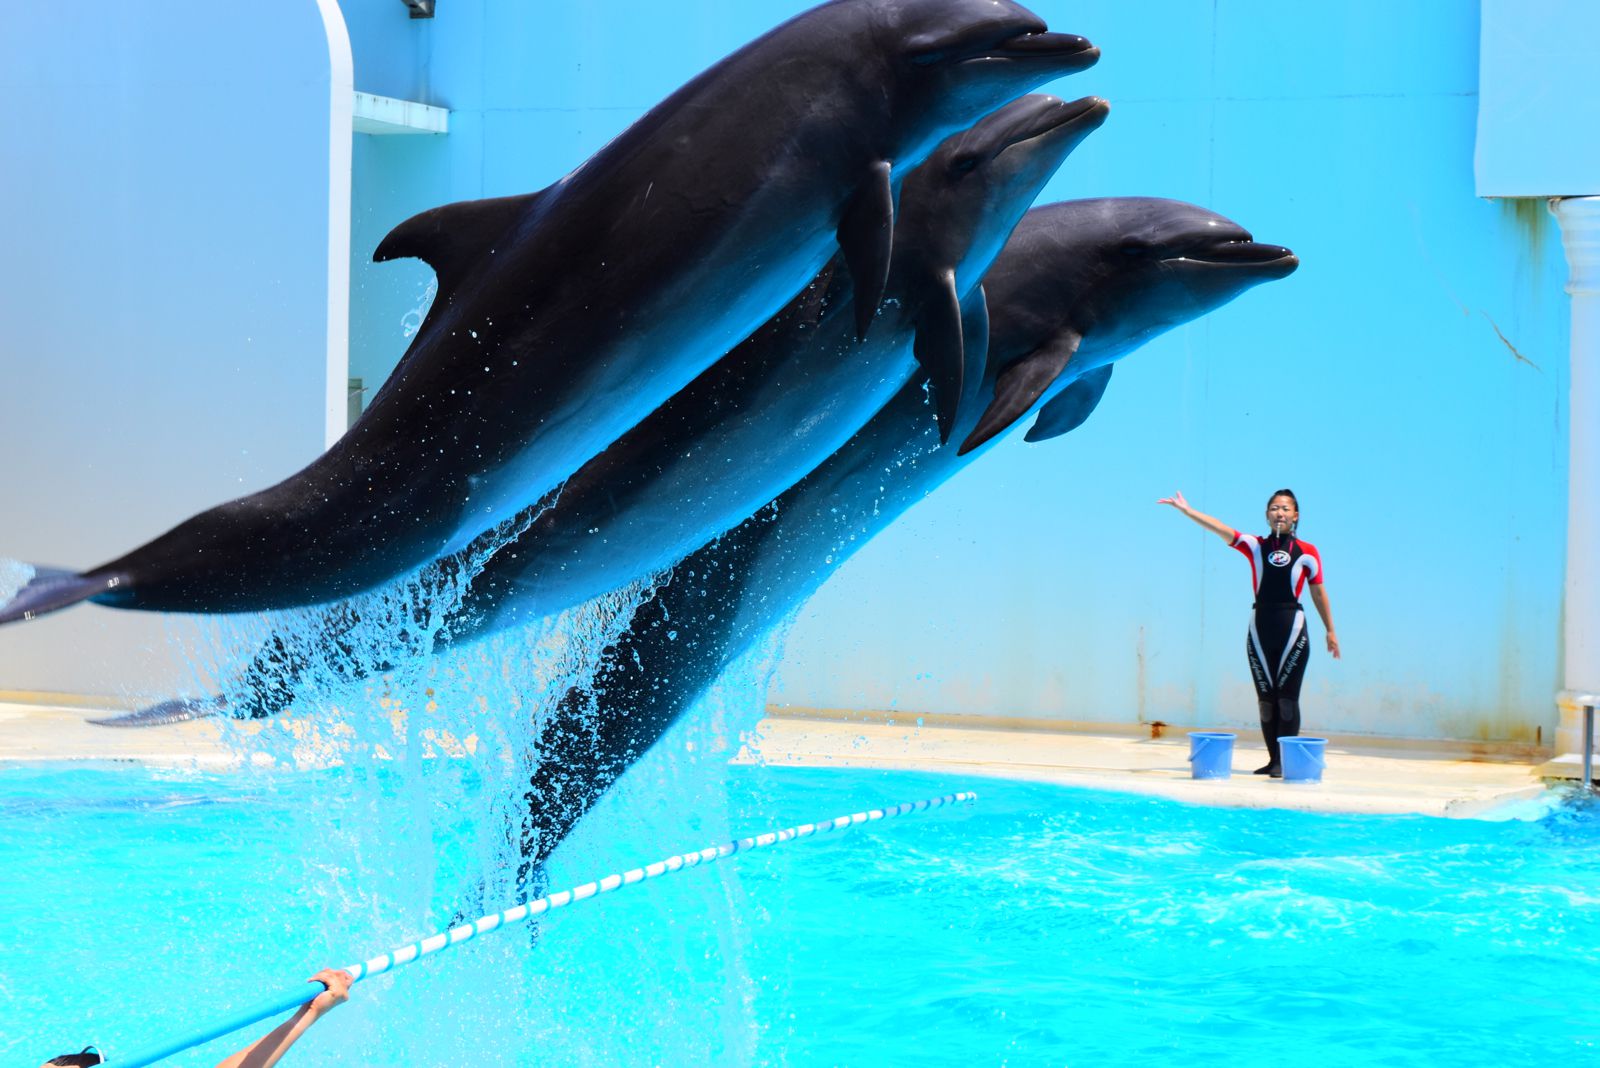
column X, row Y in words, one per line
column 1278, row 645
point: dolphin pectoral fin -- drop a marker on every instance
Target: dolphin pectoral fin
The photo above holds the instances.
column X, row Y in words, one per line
column 866, row 235
column 938, row 348
column 974, row 345
column 1066, row 412
column 1020, row 385
column 50, row 590
column 453, row 237
column 177, row 710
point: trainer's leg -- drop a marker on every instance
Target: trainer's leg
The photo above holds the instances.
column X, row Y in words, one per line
column 1266, row 694
column 1291, row 673
column 1288, row 717
column 1269, row 731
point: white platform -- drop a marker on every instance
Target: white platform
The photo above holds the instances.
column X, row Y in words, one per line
column 386, row 115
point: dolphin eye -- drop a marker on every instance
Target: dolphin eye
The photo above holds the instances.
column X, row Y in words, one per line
column 965, row 163
column 1133, row 246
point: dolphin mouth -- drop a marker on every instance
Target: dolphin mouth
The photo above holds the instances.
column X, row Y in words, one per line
column 1031, row 118
column 1077, row 52
column 1054, row 113
column 1246, row 254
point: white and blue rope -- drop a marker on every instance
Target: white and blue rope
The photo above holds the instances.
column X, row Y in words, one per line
column 524, row 911
column 529, row 909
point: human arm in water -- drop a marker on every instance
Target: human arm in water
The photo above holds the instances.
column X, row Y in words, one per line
column 1210, row 522
column 265, row 1051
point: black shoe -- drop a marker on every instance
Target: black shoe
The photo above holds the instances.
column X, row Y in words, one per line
column 1265, row 769
column 1275, row 771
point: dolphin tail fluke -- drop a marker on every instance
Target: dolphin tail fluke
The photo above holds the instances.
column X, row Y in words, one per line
column 1020, row 386
column 50, row 590
column 866, row 237
column 177, row 710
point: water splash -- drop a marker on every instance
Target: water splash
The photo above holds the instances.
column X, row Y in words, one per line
column 14, row 575
column 411, row 321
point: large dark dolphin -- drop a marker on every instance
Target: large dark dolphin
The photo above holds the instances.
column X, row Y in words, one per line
column 1113, row 273
column 564, row 317
column 764, row 415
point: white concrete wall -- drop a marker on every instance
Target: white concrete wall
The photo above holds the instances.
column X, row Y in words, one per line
column 172, row 333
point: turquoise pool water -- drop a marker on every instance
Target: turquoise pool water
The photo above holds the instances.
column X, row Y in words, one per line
column 1040, row 926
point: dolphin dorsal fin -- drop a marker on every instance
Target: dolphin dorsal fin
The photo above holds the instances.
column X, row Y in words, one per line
column 1066, row 411
column 1021, row 384
column 453, row 237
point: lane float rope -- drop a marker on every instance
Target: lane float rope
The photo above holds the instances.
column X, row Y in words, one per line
column 304, row 992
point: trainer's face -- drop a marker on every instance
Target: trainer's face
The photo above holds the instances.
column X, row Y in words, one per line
column 1282, row 515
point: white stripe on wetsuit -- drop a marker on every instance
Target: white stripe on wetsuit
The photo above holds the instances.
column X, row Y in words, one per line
column 1256, row 564
column 1306, row 563
column 1294, row 636
column 1261, row 654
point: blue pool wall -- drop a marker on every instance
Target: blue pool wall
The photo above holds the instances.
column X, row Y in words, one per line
column 1408, row 382
column 1044, row 582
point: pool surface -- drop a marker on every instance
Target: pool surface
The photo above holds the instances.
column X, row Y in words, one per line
column 1042, row 925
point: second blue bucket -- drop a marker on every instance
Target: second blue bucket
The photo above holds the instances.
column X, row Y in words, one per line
column 1302, row 759
column 1210, row 754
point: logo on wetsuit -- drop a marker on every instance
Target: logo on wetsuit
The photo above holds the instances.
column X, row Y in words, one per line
column 1278, row 558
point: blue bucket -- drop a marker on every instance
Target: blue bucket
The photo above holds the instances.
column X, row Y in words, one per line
column 1210, row 754
column 1302, row 759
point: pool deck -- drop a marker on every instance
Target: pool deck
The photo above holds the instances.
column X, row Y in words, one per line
column 31, row 733
column 1364, row 775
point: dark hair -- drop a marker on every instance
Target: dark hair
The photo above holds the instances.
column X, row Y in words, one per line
column 90, row 1056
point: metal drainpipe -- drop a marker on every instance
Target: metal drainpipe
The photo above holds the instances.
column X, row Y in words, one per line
column 1580, row 235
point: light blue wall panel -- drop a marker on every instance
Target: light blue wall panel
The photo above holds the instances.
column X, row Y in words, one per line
column 1044, row 581
column 1429, row 456
column 1540, row 99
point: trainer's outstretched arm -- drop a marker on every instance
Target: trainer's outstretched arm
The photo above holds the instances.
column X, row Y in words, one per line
column 1211, row 523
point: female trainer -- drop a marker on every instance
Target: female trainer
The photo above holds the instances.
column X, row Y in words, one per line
column 1278, row 648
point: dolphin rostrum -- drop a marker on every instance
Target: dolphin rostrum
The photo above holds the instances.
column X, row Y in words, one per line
column 564, row 317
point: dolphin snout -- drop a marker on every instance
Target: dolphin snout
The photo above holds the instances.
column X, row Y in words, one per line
column 1044, row 45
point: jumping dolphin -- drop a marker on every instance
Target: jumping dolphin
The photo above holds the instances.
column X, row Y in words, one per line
column 1109, row 273
column 566, row 316
column 764, row 415
column 1113, row 272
